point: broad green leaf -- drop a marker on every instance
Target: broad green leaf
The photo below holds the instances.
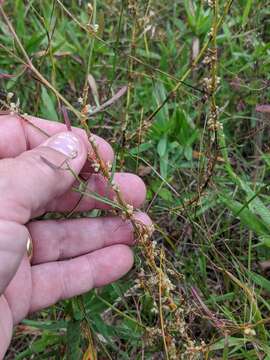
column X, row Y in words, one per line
column 141, row 148
column 164, row 166
column 254, row 203
column 231, row 341
column 46, row 325
column 246, row 12
column 260, row 280
column 73, row 340
column 165, row 194
column 148, row 54
column 159, row 95
column 47, row 107
column 247, row 218
column 162, row 146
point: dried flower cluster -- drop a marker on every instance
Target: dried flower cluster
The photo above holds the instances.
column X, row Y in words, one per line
column 148, row 24
column 133, row 7
column 208, row 81
column 210, row 3
column 153, row 279
column 13, row 106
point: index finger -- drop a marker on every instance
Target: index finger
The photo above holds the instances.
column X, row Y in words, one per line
column 18, row 135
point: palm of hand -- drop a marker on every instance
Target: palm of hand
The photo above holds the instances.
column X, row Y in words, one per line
column 70, row 256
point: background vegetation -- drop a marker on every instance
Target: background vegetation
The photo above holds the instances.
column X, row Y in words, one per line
column 208, row 182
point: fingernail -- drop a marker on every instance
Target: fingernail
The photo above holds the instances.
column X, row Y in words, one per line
column 65, row 142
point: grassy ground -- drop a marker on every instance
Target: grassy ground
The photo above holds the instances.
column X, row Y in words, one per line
column 191, row 126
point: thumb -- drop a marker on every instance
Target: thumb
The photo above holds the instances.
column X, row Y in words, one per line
column 31, row 180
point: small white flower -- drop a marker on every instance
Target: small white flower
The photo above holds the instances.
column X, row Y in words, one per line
column 109, row 165
column 114, row 186
column 12, row 106
column 210, row 2
column 95, row 27
column 129, row 209
column 250, row 332
column 10, row 96
column 92, row 139
column 96, row 166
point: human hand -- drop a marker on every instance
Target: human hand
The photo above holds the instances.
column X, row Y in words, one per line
column 72, row 256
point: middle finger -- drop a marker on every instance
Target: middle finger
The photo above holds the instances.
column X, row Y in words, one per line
column 62, row 239
column 132, row 189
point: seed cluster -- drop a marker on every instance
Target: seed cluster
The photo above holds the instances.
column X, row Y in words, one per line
column 154, row 278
